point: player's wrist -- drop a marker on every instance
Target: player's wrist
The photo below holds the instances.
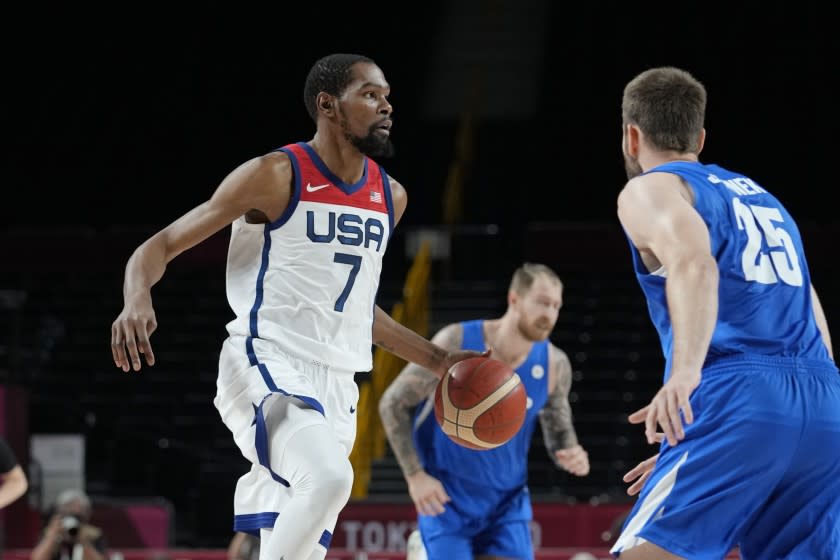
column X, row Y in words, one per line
column 409, row 476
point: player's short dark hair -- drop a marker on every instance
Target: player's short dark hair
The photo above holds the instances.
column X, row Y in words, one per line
column 524, row 276
column 669, row 106
column 330, row 74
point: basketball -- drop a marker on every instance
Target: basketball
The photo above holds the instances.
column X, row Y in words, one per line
column 480, row 403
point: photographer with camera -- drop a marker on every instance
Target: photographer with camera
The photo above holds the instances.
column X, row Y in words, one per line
column 13, row 481
column 69, row 535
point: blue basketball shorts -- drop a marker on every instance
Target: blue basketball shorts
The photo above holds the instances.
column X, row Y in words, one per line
column 759, row 467
column 479, row 520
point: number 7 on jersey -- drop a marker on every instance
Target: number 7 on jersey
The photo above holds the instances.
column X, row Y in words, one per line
column 355, row 262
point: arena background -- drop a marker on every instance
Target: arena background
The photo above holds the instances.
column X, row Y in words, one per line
column 507, row 127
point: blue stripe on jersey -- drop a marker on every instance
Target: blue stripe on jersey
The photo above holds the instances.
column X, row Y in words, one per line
column 258, row 299
column 389, row 203
column 261, row 430
column 335, row 179
column 503, row 468
column 249, row 341
column 765, row 302
column 251, row 523
column 261, row 442
column 296, row 189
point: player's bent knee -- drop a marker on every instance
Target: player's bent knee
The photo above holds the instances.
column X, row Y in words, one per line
column 334, row 482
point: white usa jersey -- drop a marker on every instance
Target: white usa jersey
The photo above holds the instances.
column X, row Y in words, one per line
column 307, row 282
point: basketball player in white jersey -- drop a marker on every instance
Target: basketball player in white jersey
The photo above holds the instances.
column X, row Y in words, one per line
column 310, row 222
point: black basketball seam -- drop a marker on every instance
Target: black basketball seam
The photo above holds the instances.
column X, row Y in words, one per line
column 475, row 370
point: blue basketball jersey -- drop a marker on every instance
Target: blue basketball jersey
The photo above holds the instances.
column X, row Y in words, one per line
column 752, row 469
column 765, row 305
column 504, row 468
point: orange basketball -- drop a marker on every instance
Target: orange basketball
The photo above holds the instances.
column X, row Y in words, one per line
column 480, row 403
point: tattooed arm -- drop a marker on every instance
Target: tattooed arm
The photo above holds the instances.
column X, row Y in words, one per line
column 556, row 417
column 413, row 385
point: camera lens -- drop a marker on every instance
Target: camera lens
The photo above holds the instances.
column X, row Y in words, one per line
column 70, row 523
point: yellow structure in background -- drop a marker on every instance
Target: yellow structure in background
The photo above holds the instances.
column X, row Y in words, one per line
column 459, row 168
column 413, row 312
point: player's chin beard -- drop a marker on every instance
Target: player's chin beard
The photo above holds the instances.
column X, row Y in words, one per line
column 531, row 332
column 372, row 145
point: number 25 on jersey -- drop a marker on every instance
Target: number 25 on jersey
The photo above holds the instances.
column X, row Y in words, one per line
column 764, row 228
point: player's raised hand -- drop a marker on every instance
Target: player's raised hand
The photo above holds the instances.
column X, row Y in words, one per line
column 574, row 460
column 427, row 493
column 668, row 408
column 130, row 334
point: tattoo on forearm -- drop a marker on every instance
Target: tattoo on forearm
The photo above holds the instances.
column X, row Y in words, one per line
column 412, row 386
column 556, row 422
column 556, row 417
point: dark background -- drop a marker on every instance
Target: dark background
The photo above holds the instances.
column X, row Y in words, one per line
column 134, row 119
column 117, row 121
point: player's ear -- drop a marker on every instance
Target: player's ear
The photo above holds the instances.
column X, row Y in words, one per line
column 325, row 103
column 632, row 138
column 701, row 140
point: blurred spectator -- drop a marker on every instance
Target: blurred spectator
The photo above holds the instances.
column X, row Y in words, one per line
column 13, row 482
column 69, row 535
column 611, row 535
column 244, row 546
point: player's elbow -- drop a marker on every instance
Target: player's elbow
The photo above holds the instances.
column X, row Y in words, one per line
column 386, row 404
column 705, row 263
column 700, row 267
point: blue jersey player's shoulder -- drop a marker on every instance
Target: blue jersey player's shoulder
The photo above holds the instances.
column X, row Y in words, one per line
column 757, row 245
column 450, row 336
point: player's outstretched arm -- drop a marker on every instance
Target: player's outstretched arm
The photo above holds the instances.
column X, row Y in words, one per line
column 260, row 187
column 657, row 213
column 401, row 341
column 389, row 335
column 559, row 433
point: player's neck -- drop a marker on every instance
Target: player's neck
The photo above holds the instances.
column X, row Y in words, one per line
column 505, row 341
column 343, row 160
column 654, row 159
